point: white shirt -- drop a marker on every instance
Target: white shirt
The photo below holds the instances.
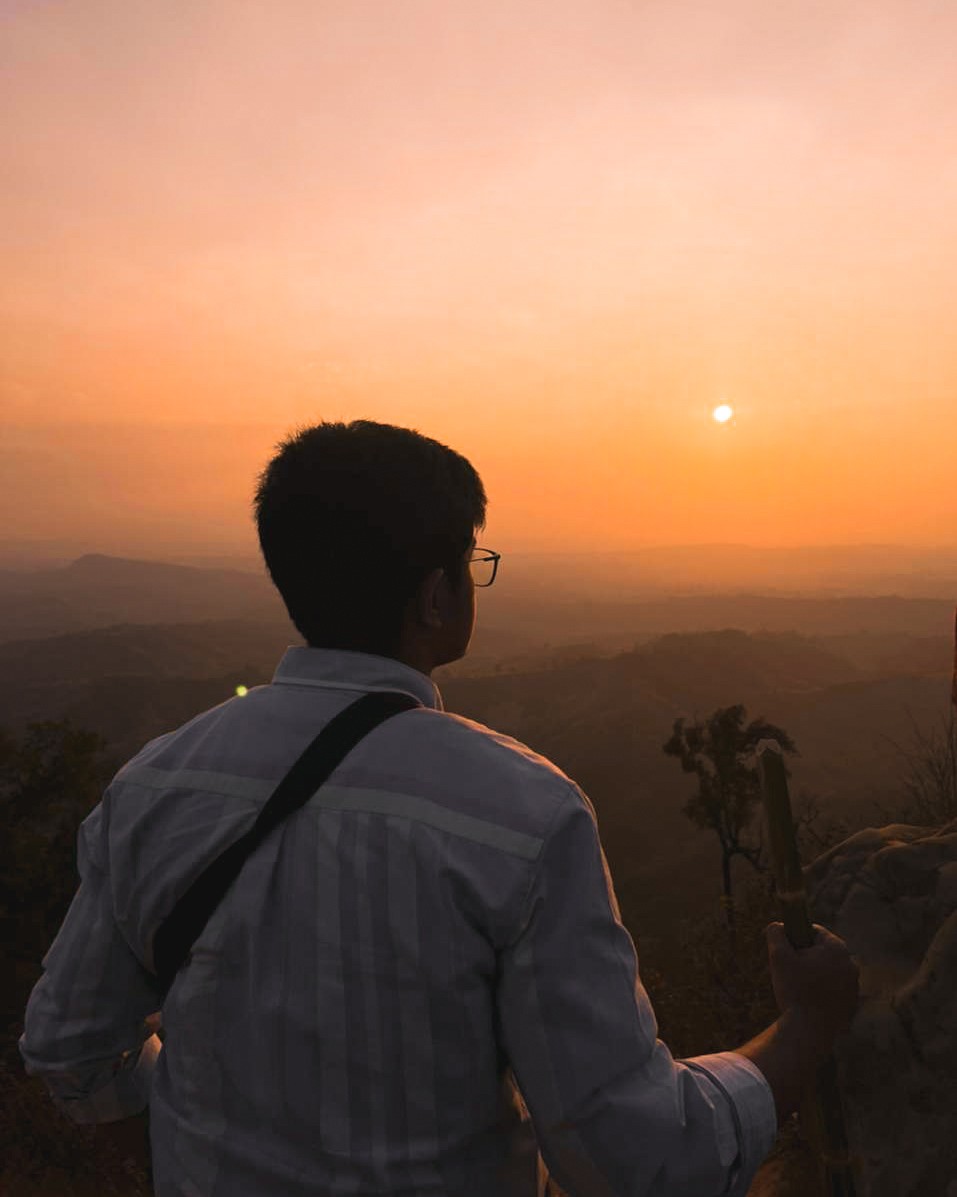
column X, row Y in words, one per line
column 436, row 924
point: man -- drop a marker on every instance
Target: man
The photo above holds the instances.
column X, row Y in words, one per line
column 424, row 954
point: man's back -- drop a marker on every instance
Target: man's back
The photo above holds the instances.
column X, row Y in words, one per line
column 435, row 923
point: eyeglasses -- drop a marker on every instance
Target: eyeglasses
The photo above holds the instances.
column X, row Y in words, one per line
column 484, row 566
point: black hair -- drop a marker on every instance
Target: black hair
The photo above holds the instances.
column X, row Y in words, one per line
column 352, row 517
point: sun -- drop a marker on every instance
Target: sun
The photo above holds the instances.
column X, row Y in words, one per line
column 723, row 413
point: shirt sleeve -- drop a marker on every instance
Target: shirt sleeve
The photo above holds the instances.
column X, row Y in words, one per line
column 84, row 1028
column 613, row 1111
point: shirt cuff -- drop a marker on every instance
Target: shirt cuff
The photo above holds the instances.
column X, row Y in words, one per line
column 753, row 1112
column 126, row 1091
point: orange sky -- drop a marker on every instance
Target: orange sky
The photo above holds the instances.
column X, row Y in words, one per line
column 553, row 233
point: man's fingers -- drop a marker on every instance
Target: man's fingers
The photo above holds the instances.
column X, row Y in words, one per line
column 779, row 943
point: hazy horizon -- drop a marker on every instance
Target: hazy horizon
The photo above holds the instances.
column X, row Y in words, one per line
column 827, row 571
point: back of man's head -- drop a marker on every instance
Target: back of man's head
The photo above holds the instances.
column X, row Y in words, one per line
column 352, row 517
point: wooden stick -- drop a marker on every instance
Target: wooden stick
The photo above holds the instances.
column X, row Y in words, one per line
column 821, row 1113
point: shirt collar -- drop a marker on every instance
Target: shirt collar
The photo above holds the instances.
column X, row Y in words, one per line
column 338, row 669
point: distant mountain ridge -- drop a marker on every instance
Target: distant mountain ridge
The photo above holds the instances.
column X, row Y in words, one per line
column 96, row 591
column 909, row 570
column 100, row 567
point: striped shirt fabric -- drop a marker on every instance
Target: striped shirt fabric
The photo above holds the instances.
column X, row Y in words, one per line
column 419, row 984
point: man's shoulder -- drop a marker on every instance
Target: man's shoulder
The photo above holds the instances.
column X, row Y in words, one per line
column 491, row 758
column 475, row 743
column 495, row 775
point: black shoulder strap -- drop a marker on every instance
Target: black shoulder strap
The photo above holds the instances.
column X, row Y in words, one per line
column 177, row 934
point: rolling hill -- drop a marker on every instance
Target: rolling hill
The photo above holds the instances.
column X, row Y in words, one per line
column 602, row 718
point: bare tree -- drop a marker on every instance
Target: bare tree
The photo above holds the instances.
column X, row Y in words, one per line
column 929, row 781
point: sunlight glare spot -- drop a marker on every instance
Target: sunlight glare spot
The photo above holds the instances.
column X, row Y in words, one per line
column 723, row 413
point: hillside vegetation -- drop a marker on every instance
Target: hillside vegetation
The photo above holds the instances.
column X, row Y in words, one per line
column 602, row 716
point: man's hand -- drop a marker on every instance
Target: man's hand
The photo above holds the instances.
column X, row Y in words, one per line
column 816, row 989
column 819, row 984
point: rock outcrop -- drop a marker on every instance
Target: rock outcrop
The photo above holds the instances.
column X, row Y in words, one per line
column 892, row 894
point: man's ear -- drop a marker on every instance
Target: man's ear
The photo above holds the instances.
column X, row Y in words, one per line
column 428, row 599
